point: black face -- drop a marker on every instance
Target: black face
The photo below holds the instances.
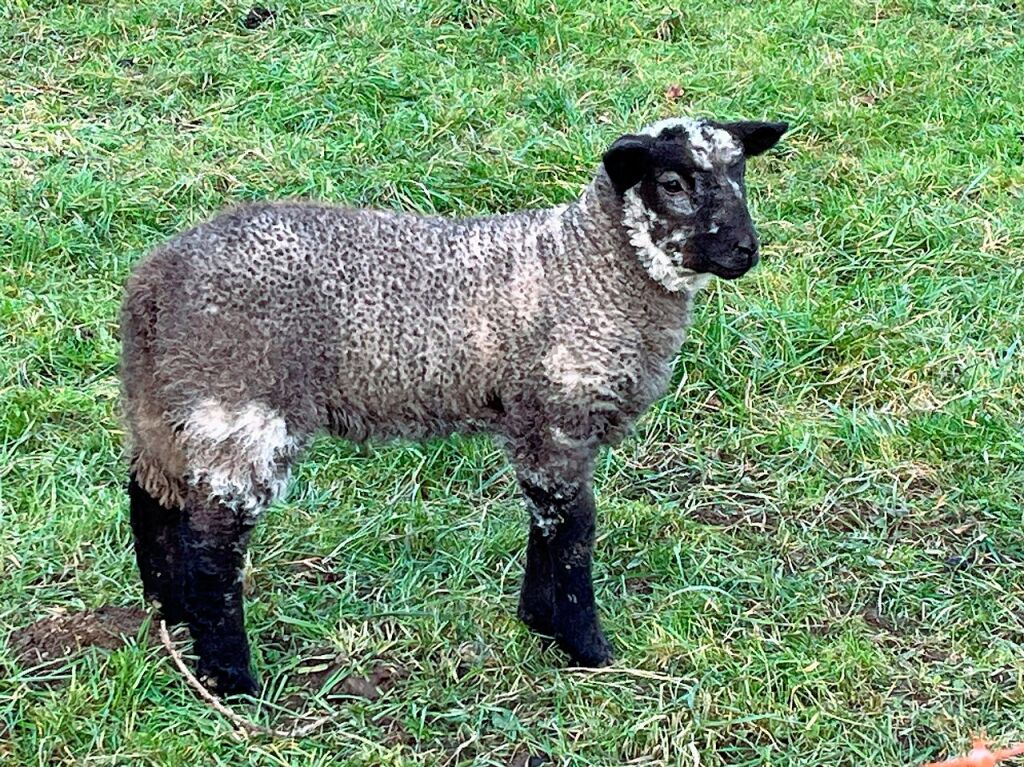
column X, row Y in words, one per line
column 683, row 185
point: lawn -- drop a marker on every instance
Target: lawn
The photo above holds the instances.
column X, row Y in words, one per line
column 812, row 550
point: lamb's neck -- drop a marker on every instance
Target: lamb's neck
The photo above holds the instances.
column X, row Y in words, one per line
column 602, row 228
column 594, row 264
column 626, row 213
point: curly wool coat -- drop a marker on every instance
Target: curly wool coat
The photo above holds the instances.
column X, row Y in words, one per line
column 540, row 327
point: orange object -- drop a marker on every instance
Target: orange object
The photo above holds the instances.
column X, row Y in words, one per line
column 980, row 756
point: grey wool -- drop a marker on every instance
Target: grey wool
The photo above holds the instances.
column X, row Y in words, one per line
column 552, row 330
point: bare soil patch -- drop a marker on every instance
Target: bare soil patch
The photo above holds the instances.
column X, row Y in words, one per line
column 526, row 759
column 68, row 635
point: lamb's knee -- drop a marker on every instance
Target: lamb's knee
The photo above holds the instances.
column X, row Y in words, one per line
column 551, row 503
column 555, row 487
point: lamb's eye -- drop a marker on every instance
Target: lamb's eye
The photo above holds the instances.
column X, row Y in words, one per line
column 673, row 186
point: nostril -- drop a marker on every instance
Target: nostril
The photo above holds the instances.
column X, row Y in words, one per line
column 748, row 253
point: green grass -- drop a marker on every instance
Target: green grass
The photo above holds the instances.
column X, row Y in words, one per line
column 774, row 563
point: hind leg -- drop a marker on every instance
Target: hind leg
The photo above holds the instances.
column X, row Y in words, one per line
column 237, row 459
column 214, row 539
column 157, row 551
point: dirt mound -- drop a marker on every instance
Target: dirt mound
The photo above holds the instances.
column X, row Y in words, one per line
column 62, row 636
column 526, row 759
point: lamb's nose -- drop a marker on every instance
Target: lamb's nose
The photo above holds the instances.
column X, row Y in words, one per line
column 747, row 244
column 747, row 247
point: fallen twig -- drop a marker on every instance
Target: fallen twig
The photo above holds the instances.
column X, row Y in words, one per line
column 239, row 721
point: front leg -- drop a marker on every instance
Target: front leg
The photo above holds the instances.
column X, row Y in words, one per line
column 558, row 594
column 537, row 596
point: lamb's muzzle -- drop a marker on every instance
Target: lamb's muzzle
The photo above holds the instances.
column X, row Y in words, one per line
column 551, row 329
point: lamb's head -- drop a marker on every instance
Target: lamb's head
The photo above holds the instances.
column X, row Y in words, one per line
column 683, row 196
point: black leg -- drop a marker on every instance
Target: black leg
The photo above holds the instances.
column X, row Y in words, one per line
column 537, row 597
column 558, row 577
column 214, row 538
column 157, row 551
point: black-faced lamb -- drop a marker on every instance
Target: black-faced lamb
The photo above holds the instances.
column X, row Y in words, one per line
column 551, row 329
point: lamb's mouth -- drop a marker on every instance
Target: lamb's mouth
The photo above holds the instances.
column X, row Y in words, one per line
column 736, row 266
column 728, row 274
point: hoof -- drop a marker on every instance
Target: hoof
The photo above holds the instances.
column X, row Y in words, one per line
column 586, row 647
column 593, row 657
column 585, row 644
column 227, row 682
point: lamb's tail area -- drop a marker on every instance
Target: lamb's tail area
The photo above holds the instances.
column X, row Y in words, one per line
column 151, row 440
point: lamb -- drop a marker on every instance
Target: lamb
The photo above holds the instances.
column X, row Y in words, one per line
column 552, row 330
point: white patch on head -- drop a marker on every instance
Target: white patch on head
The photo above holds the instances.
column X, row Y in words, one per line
column 662, row 267
column 241, row 456
column 708, row 145
column 688, row 124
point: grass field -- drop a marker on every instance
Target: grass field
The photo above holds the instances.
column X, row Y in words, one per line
column 811, row 552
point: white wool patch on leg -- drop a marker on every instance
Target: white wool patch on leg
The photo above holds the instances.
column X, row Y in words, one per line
column 545, row 520
column 240, row 456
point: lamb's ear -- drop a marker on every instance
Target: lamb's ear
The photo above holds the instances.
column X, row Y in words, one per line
column 628, row 160
column 756, row 137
